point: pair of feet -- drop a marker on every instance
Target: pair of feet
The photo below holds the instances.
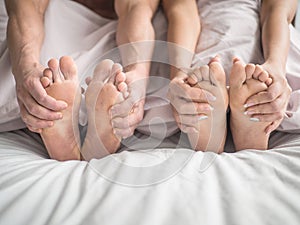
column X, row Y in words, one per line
column 106, row 88
column 208, row 131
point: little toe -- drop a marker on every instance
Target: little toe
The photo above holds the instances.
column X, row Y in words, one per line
column 68, row 68
column 54, row 66
column 237, row 74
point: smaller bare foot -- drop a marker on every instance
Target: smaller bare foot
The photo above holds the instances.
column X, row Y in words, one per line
column 245, row 81
column 211, row 126
column 61, row 82
column 105, row 89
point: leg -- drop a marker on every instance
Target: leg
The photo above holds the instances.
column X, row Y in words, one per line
column 62, row 140
column 246, row 131
column 100, row 97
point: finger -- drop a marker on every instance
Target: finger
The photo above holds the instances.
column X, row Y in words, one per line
column 273, row 126
column 187, row 129
column 189, row 93
column 45, row 100
column 39, row 111
column 35, row 130
column 270, row 95
column 192, row 120
column 124, row 133
column 270, row 117
column 32, row 121
column 124, row 108
column 131, row 120
column 272, row 107
column 191, row 108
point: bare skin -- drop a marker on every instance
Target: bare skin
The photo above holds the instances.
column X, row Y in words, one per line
column 209, row 128
column 100, row 97
column 247, row 131
column 61, row 82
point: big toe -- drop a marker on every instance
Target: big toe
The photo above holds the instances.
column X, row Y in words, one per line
column 216, row 72
column 237, row 74
column 68, row 68
column 103, row 70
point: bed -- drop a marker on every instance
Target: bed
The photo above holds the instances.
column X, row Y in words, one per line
column 151, row 180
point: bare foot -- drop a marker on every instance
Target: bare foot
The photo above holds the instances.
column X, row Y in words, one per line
column 247, row 132
column 105, row 89
column 61, row 82
column 211, row 126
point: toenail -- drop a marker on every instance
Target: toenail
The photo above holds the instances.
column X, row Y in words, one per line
column 254, row 119
column 202, row 118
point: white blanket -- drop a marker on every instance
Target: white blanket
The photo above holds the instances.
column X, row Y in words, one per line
column 162, row 186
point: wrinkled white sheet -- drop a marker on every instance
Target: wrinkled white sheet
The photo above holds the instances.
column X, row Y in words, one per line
column 143, row 187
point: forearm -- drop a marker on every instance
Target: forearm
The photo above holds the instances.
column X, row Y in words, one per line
column 135, row 34
column 183, row 31
column 275, row 20
column 25, row 34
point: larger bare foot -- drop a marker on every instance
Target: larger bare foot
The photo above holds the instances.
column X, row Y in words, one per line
column 211, row 126
column 247, row 132
column 62, row 140
column 100, row 96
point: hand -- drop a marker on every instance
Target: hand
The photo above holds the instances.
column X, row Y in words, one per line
column 38, row 110
column 127, row 115
column 271, row 105
column 188, row 101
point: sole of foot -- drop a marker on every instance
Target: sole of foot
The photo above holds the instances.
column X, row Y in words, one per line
column 106, row 88
column 211, row 128
column 60, row 81
column 247, row 132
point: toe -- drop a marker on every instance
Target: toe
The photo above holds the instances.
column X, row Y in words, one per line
column 263, row 76
column 217, row 73
column 204, row 70
column 54, row 66
column 103, row 70
column 237, row 74
column 47, row 78
column 258, row 71
column 68, row 68
column 250, row 68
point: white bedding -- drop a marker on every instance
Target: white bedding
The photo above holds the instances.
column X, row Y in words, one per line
column 170, row 184
column 248, row 187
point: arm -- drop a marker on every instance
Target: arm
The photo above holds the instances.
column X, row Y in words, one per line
column 135, row 38
column 275, row 19
column 183, row 31
column 25, row 34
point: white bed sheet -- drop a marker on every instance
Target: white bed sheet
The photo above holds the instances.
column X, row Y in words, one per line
column 248, row 187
